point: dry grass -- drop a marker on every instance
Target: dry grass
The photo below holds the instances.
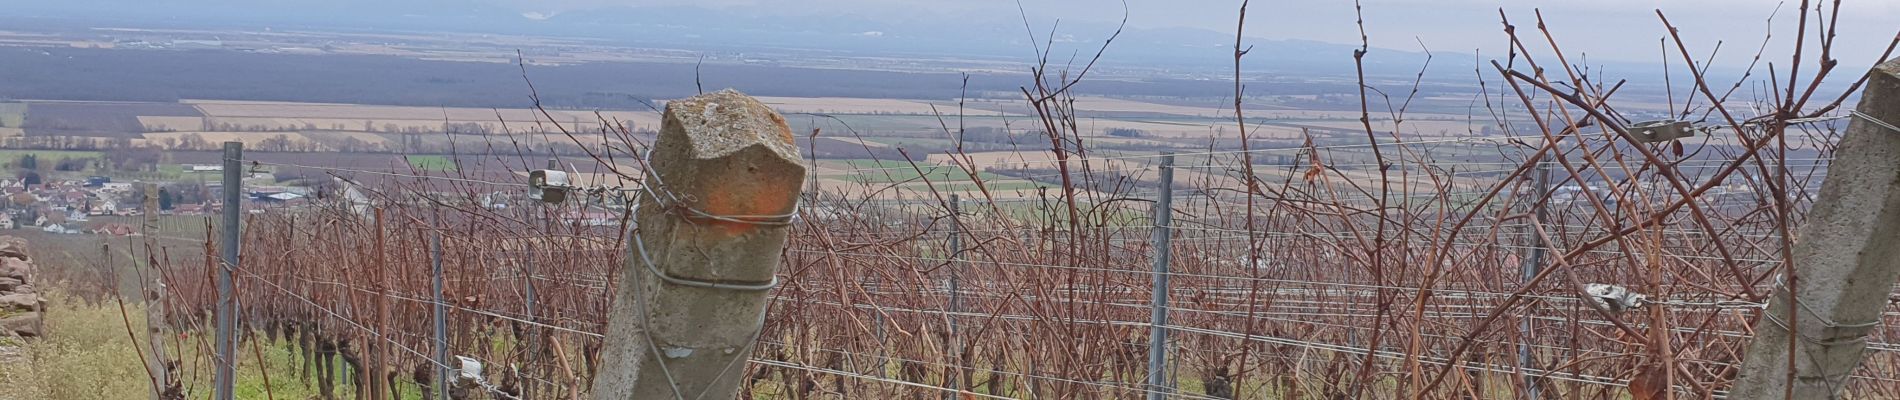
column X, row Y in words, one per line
column 170, row 123
column 87, row 355
column 250, row 139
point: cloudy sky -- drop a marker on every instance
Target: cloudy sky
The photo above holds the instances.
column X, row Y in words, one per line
column 1609, row 30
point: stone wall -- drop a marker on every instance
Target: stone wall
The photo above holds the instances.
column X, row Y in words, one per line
column 20, row 303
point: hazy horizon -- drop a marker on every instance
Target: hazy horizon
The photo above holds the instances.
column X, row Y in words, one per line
column 1617, row 31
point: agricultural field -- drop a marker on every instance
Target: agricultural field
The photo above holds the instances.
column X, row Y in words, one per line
column 49, row 160
column 431, row 163
column 877, row 127
column 881, row 171
column 201, row 124
column 843, row 105
column 49, row 155
column 900, row 180
column 251, row 140
column 158, row 123
column 1420, row 127
column 881, row 123
column 97, row 119
column 993, row 160
column 374, row 118
column 12, row 115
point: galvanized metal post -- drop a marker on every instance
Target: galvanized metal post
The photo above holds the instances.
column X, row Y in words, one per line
column 534, row 340
column 956, row 256
column 376, row 341
column 441, row 320
column 956, row 294
column 877, row 321
column 1158, row 319
column 228, row 245
column 548, row 222
column 534, row 332
column 1532, row 264
column 158, row 364
column 528, row 281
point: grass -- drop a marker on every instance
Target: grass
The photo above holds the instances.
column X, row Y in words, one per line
column 87, row 355
column 165, row 172
column 12, row 115
column 431, row 163
column 47, row 157
column 172, row 169
column 866, row 163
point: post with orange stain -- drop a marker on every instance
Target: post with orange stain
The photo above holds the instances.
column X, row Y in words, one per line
column 725, row 178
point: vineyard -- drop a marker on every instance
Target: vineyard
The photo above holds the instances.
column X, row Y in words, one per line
column 1569, row 258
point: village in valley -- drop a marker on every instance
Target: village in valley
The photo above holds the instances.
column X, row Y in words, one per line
column 75, row 203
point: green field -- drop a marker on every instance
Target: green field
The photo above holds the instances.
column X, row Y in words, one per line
column 866, row 123
column 911, row 142
column 431, row 163
column 50, row 155
column 1057, row 213
column 934, row 174
column 166, row 172
column 12, row 115
column 870, row 164
column 945, row 177
column 994, row 187
column 47, row 158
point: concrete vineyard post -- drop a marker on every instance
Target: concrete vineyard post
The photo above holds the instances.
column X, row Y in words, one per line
column 723, row 181
column 1819, row 316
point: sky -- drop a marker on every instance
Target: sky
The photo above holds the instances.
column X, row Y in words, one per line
column 1605, row 30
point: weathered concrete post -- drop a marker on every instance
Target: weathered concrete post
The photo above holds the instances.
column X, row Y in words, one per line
column 692, row 299
column 1845, row 259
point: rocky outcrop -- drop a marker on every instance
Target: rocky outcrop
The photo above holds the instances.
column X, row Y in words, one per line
column 21, row 306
